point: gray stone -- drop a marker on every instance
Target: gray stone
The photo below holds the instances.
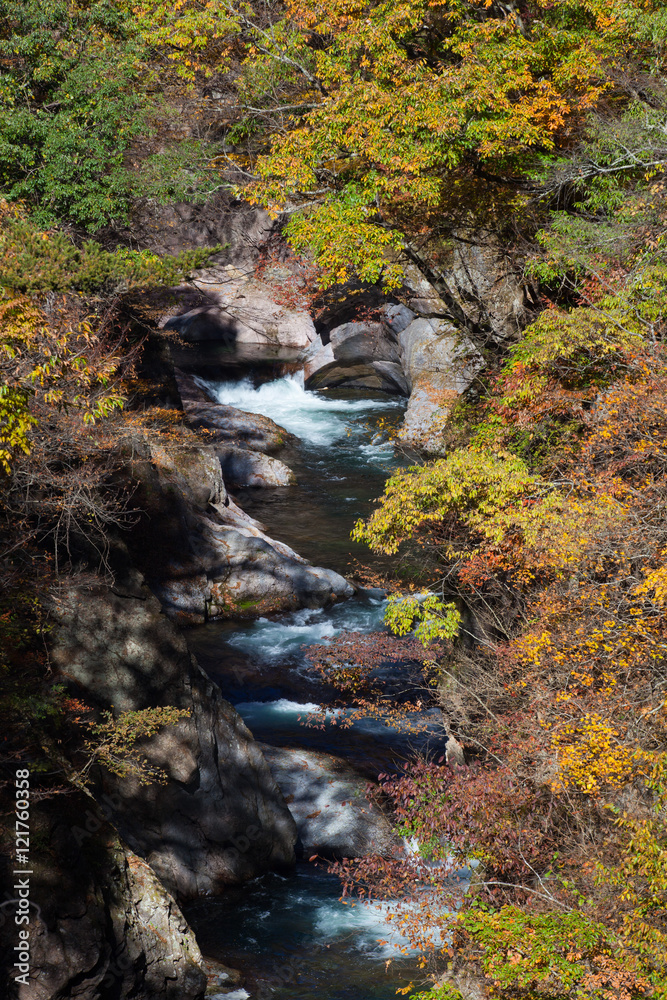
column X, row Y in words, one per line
column 364, row 341
column 225, row 425
column 422, row 297
column 105, row 925
column 330, row 804
column 361, row 355
column 245, row 467
column 435, row 345
column 480, row 288
column 440, row 363
column 229, row 306
column 240, row 228
column 397, row 317
column 219, row 819
column 487, row 287
column 202, row 555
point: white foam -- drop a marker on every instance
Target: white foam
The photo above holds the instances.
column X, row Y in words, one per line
column 272, row 641
column 283, row 714
column 311, row 416
column 374, row 927
column 283, row 706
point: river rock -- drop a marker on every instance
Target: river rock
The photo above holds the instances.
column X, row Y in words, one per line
column 244, row 442
column 440, row 363
column 245, row 467
column 330, row 805
column 229, row 306
column 226, row 424
column 363, row 355
column 201, row 554
column 102, row 924
column 219, row 818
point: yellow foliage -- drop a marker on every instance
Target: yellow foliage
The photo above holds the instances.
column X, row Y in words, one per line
column 63, row 369
column 592, row 757
column 656, row 581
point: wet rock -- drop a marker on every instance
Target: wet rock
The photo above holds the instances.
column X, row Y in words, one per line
column 227, row 426
column 219, row 819
column 243, row 442
column 330, row 804
column 104, row 926
column 440, row 363
column 202, row 555
column 363, row 355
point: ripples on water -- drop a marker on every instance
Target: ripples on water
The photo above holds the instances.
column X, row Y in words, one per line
column 281, row 638
column 292, row 936
column 318, row 419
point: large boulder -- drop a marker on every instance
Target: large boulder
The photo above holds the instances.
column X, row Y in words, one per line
column 362, row 355
column 440, row 363
column 329, row 802
column 227, row 305
column 245, row 443
column 225, row 425
column 487, row 286
column 201, row 554
column 101, row 923
column 245, row 467
column 219, row 818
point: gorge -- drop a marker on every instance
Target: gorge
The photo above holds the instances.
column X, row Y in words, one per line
column 333, row 479
column 221, row 817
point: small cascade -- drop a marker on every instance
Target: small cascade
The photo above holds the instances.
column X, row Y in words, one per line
column 318, row 419
column 292, row 936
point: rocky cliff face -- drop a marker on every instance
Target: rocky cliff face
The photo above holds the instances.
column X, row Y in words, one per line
column 220, row 818
column 103, row 926
column 441, row 363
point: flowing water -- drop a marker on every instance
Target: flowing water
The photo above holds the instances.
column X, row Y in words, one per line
column 291, row 935
column 339, row 468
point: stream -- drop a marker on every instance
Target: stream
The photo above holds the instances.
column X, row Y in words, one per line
column 290, row 934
